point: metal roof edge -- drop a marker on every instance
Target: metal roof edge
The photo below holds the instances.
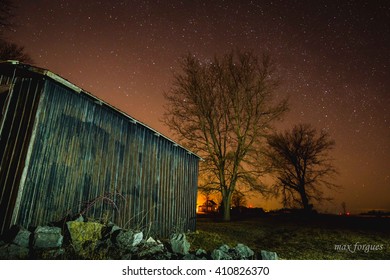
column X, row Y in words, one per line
column 10, row 61
column 77, row 89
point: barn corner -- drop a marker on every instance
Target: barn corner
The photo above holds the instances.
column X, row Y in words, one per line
column 64, row 151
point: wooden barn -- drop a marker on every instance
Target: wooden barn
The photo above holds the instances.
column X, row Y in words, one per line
column 63, row 152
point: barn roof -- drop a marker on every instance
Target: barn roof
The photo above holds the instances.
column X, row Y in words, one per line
column 73, row 87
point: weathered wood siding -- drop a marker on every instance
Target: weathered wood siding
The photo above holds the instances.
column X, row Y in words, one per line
column 20, row 98
column 84, row 151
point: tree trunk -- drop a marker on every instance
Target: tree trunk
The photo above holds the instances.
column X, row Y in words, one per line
column 305, row 202
column 226, row 207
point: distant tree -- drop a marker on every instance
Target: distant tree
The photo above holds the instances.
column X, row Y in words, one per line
column 302, row 165
column 222, row 109
column 238, row 199
column 11, row 51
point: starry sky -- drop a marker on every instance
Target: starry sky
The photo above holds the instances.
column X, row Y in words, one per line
column 333, row 57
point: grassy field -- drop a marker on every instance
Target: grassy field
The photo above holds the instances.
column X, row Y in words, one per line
column 299, row 237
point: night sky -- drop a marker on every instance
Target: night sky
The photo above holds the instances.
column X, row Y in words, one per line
column 333, row 57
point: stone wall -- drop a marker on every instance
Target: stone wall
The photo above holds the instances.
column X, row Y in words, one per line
column 81, row 239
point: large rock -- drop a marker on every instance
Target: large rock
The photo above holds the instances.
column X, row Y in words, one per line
column 240, row 252
column 222, row 253
column 179, row 244
column 201, row 253
column 84, row 234
column 137, row 238
column 128, row 239
column 153, row 251
column 225, row 248
column 22, row 238
column 151, row 240
column 244, row 252
column 266, row 255
column 125, row 240
column 47, row 237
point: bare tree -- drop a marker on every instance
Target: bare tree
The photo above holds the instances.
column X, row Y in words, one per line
column 302, row 165
column 222, row 109
column 11, row 51
column 238, row 199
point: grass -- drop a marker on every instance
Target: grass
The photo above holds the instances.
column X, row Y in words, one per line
column 300, row 237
